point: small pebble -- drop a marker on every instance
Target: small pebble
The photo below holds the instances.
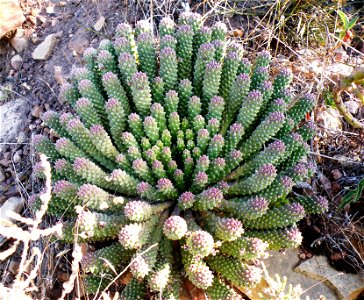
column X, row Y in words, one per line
column 353, row 106
column 36, row 112
column 17, row 156
column 32, row 126
column 16, row 62
column 99, row 24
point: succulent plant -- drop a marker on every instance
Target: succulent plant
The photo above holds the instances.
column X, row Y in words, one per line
column 181, row 157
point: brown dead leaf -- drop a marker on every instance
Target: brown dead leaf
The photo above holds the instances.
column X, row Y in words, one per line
column 125, row 278
column 84, row 248
column 63, row 277
column 192, row 292
column 238, row 33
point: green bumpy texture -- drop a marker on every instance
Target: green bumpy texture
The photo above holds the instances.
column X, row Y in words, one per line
column 178, row 160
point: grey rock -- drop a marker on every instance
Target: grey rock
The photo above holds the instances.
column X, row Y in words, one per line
column 44, row 49
column 13, row 204
column 13, row 117
column 346, row 286
column 283, row 264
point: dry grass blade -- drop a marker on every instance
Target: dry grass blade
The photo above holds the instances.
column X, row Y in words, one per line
column 31, row 256
column 68, row 286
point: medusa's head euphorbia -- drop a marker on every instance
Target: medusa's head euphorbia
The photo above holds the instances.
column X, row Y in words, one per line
column 181, row 154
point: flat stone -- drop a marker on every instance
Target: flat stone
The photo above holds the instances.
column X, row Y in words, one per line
column 19, row 41
column 16, row 62
column 44, row 49
column 346, row 286
column 13, row 117
column 13, row 204
column 283, row 264
column 353, row 106
column 99, row 24
column 11, row 16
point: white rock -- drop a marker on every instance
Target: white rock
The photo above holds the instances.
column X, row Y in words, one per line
column 44, row 49
column 99, row 24
column 353, row 106
column 13, row 117
column 14, row 204
column 16, row 62
column 346, row 286
column 50, row 10
column 330, row 119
